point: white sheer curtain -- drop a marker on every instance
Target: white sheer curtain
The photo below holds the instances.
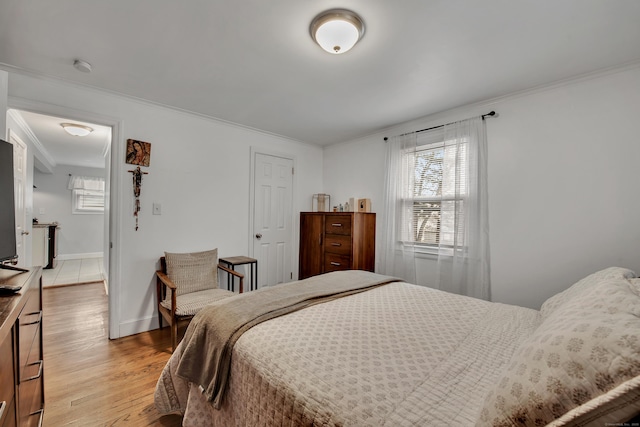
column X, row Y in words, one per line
column 397, row 254
column 436, row 205
column 463, row 261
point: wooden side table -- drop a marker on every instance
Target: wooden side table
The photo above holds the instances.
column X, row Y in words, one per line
column 232, row 261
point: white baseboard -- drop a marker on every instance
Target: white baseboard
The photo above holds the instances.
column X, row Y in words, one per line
column 136, row 326
column 67, row 257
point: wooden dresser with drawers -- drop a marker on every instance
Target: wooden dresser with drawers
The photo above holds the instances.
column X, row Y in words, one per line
column 21, row 352
column 331, row 241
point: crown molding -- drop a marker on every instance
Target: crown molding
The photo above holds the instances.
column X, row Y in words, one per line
column 71, row 84
column 457, row 113
column 22, row 124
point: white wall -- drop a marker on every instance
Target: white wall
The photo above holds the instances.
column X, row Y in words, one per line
column 79, row 235
column 563, row 182
column 199, row 173
column 567, row 146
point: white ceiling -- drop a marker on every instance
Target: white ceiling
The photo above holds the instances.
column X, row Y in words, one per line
column 252, row 62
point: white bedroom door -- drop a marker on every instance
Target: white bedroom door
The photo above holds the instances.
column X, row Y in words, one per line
column 272, row 219
column 20, row 178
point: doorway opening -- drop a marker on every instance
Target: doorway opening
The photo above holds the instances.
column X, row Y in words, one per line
column 69, row 196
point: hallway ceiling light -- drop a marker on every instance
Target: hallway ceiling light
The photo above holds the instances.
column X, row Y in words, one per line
column 76, row 129
column 337, row 30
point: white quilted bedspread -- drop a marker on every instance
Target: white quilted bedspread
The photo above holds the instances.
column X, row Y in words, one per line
column 398, row 355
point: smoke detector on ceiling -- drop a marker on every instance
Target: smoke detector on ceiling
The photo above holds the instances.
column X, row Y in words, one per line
column 83, row 66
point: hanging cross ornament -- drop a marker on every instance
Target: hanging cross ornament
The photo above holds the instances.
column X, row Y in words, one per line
column 137, row 184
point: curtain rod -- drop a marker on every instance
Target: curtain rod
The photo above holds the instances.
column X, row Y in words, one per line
column 490, row 114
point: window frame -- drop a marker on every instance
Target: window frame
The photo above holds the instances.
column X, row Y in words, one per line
column 83, row 199
column 430, row 249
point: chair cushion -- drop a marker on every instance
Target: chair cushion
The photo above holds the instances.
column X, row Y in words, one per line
column 189, row 304
column 193, row 272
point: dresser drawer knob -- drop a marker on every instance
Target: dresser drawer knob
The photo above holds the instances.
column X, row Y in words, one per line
column 336, row 244
column 337, row 264
column 336, row 225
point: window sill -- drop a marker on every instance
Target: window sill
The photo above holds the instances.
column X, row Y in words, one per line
column 87, row 213
column 431, row 252
column 420, row 254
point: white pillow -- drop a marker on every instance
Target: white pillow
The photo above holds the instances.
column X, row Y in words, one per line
column 550, row 305
column 587, row 347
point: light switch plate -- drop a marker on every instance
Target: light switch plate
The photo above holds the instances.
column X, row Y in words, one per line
column 157, row 209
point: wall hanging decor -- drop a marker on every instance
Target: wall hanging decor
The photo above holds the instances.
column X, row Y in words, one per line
column 137, row 184
column 138, row 152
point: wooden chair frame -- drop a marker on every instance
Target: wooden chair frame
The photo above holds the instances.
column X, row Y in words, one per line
column 164, row 284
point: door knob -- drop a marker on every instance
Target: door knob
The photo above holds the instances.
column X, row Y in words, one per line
column 24, row 233
column 258, row 236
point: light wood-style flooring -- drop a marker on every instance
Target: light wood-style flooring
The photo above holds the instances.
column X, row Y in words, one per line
column 89, row 379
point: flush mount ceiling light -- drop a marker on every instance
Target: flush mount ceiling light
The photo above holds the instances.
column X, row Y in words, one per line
column 337, row 30
column 76, row 129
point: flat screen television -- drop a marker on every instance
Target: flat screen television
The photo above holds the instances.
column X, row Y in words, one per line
column 7, row 204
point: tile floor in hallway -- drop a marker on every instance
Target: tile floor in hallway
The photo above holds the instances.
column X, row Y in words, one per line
column 74, row 271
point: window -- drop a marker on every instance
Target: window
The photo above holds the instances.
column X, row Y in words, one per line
column 87, row 195
column 435, row 207
column 439, row 190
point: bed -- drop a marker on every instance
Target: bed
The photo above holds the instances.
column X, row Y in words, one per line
column 397, row 354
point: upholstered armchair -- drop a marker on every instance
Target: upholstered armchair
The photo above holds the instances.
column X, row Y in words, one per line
column 186, row 283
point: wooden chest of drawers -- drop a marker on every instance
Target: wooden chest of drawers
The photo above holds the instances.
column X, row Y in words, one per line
column 332, row 241
column 21, row 353
column 7, row 382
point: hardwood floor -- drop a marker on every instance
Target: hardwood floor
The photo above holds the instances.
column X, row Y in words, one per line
column 91, row 380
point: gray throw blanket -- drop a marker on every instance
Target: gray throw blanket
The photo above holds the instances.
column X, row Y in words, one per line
column 211, row 335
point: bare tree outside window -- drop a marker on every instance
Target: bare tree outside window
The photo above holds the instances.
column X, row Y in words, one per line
column 433, row 189
column 427, row 187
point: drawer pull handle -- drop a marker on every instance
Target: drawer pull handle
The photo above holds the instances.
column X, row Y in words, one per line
column 38, row 375
column 38, row 412
column 336, row 244
column 336, row 225
column 336, row 264
column 39, row 313
column 3, row 405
